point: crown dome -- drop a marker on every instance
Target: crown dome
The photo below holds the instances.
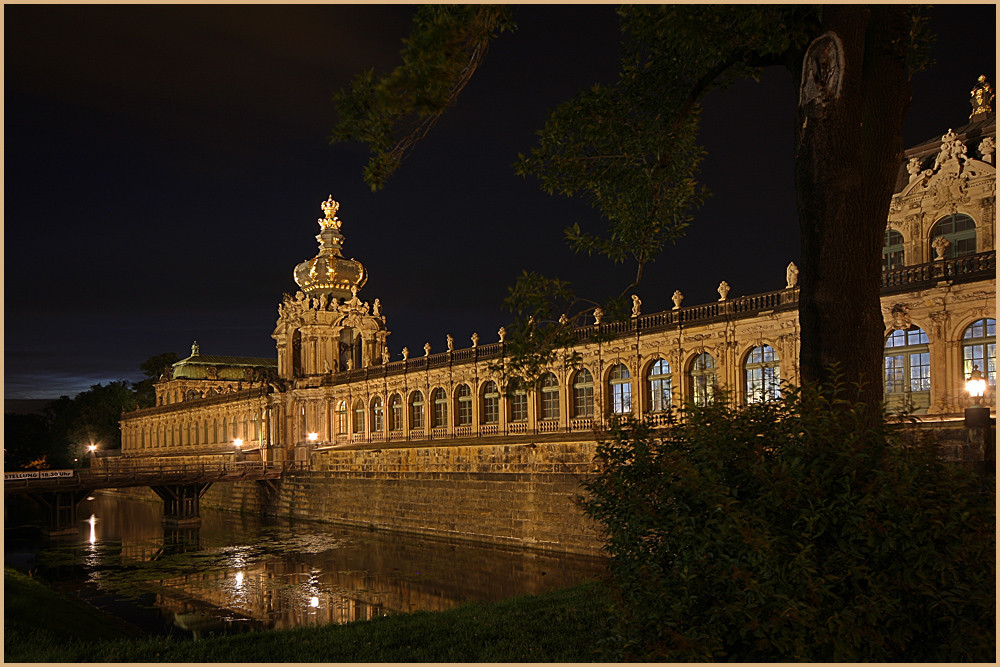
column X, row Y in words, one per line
column 328, row 272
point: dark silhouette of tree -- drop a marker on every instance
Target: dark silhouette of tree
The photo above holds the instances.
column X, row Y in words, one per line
column 630, row 149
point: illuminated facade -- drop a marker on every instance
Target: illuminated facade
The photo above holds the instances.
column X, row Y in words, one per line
column 335, row 385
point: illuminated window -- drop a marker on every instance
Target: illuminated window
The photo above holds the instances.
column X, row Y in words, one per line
column 463, row 396
column 342, row 418
column 359, row 416
column 378, row 415
column 907, row 370
column 491, row 403
column 395, row 413
column 761, row 375
column 550, row 396
column 440, row 400
column 660, row 384
column 620, row 384
column 702, row 375
column 416, row 410
column 583, row 394
column 892, row 251
column 960, row 230
column 979, row 348
column 518, row 400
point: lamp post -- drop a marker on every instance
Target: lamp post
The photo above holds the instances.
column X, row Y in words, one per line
column 977, row 418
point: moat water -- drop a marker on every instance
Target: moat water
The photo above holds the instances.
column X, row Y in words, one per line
column 238, row 572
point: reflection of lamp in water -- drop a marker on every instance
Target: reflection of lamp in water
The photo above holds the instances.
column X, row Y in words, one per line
column 93, row 533
column 314, row 601
column 239, row 579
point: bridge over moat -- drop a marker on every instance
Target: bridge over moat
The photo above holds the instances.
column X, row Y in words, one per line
column 179, row 486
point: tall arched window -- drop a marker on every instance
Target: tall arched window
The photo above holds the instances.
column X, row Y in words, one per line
column 761, row 375
column 440, row 399
column 702, row 376
column 620, row 384
column 207, row 439
column 960, row 230
column 549, row 396
column 979, row 348
column 395, row 413
column 359, row 416
column 660, row 385
column 518, row 400
column 583, row 394
column 416, row 410
column 908, row 370
column 491, row 403
column 378, row 415
column 892, row 251
column 463, row 407
column 342, row 418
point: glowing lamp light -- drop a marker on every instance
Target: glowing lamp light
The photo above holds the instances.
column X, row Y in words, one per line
column 976, row 385
column 91, row 448
column 238, row 442
column 314, row 601
column 313, row 437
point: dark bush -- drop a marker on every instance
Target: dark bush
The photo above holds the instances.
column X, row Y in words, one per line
column 794, row 531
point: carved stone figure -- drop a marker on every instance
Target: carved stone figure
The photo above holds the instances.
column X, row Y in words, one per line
column 723, row 290
column 354, row 291
column 563, row 320
column 502, row 332
column 475, row 339
column 900, row 315
column 677, row 298
column 791, row 275
column 913, row 168
column 940, row 245
column 350, row 364
column 326, row 366
column 427, row 349
column 406, row 353
column 598, row 315
column 947, row 147
column 636, row 306
column 377, row 308
column 385, row 355
column 986, row 149
column 451, row 343
column 299, row 296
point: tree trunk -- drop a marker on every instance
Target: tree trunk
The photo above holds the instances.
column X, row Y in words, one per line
column 853, row 95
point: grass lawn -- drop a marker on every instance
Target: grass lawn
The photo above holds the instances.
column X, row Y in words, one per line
column 564, row 626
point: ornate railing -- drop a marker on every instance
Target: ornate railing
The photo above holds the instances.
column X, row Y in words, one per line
column 231, row 397
column 959, row 269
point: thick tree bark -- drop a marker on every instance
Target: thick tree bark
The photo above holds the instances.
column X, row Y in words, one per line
column 853, row 95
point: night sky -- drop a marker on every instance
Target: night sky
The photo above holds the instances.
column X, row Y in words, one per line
column 164, row 168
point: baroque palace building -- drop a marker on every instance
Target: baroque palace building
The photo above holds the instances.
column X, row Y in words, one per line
column 333, row 385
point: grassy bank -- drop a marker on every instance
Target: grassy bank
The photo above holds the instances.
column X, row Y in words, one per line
column 565, row 626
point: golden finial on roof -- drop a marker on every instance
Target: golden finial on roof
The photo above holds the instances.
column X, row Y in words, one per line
column 330, row 208
column 982, row 97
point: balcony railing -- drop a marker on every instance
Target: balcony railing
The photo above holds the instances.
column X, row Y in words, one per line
column 959, row 269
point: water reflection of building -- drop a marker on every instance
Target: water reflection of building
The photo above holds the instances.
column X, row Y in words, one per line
column 335, row 386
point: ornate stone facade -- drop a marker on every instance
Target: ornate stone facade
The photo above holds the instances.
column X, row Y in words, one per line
column 336, row 386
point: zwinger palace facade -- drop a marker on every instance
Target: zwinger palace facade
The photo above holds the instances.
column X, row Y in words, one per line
column 334, row 385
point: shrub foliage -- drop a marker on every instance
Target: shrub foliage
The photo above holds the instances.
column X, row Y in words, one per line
column 794, row 530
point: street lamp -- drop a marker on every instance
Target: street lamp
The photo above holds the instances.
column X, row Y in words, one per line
column 313, row 437
column 237, row 443
column 976, row 385
column 91, row 448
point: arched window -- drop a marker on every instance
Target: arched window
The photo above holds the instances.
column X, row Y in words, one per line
column 518, row 400
column 215, row 430
column 979, row 348
column 395, row 413
column 378, row 421
column 225, row 431
column 491, row 403
column 207, row 439
column 416, row 410
column 549, row 386
column 702, row 376
column 583, row 394
column 342, row 418
column 191, row 395
column 892, row 251
column 359, row 416
column 661, row 386
column 620, row 384
column 463, row 408
column 908, row 370
column 440, row 399
column 761, row 375
column 960, row 230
